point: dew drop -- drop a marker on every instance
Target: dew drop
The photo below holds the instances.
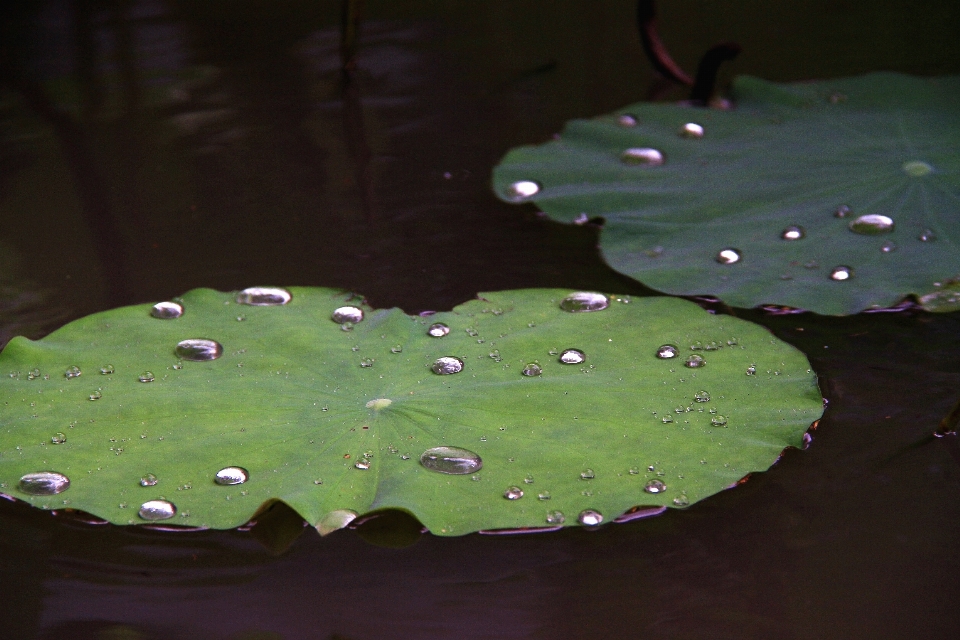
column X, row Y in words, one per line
column 148, row 480
column 522, row 189
column 718, row 421
column 495, row 355
column 58, row 438
column 841, row 273
column 681, row 500
column 752, row 370
column 590, row 518
column 842, row 211
column 447, row 365
column 667, row 351
column 44, row 483
column 587, row 474
column 927, row 235
column 667, row 419
column 888, row 247
column 694, row 361
column 146, row 376
column 626, row 120
column 438, row 330
column 728, row 256
column 166, row 310
column 264, row 296
column 366, row 363
column 871, row 225
column 71, row 372
column 555, row 517
column 793, row 233
column 532, row 369
column 917, row 168
column 584, row 301
column 342, row 315
column 572, row 356
column 198, row 350
column 363, row 465
column 513, row 493
column 642, row 156
column 655, row 486
column 157, row 510
column 96, row 395
column 397, row 348
column 451, row 460
column 691, row 130
column 231, row 475
column 701, row 396
column 543, row 495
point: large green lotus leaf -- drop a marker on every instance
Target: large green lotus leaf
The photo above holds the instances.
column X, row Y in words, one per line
column 788, row 155
column 333, row 422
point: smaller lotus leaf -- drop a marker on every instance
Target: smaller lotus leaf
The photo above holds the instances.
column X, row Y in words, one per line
column 490, row 421
column 833, row 196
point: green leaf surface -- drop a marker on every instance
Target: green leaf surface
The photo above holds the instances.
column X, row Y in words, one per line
column 788, row 155
column 333, row 422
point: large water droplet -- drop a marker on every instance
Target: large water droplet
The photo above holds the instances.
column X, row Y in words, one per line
column 157, row 510
column 728, row 256
column 655, row 486
column 555, row 517
column 718, row 421
column 584, row 301
column 871, row 225
column 701, row 396
column 447, row 365
column 148, row 480
column 199, row 349
column 667, row 351
column 572, row 356
column 44, row 483
column 513, row 493
column 694, row 362
column 642, row 156
column 841, row 273
column 231, row 475
column 438, row 330
column 452, row 460
column 532, row 369
column 691, row 130
column 166, row 310
column 626, row 120
column 264, row 296
column 342, row 315
column 917, row 168
column 146, row 376
column 522, row 189
column 590, row 518
column 793, row 233
column 72, row 372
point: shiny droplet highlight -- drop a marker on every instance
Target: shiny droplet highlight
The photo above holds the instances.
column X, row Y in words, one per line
column 584, row 301
column 572, row 356
column 343, row 315
column 691, row 130
column 447, row 365
column 793, row 233
column 451, row 460
column 166, row 310
column 522, row 189
column 438, row 330
column 198, row 350
column 872, row 224
column 728, row 256
column 590, row 518
column 44, row 483
column 532, row 369
column 264, row 296
column 841, row 273
column 157, row 510
column 513, row 493
column 231, row 475
column 667, row 351
column 642, row 156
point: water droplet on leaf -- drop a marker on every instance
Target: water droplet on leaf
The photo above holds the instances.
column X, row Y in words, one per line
column 264, row 296
column 667, row 351
column 927, row 235
column 513, row 493
column 842, row 211
column 701, row 396
column 58, row 438
column 166, row 310
column 694, row 361
column 718, row 421
column 106, row 369
column 72, row 372
column 522, row 189
column 841, row 273
column 157, row 510
column 532, row 369
column 888, row 247
column 642, row 156
column 917, row 168
column 148, row 480
column 587, row 474
column 349, row 314
column 584, row 301
column 655, row 486
column 572, row 356
column 728, row 256
column 590, row 518
column 231, row 475
column 752, row 370
column 451, row 460
column 44, row 483
column 555, row 517
column 146, row 376
column 793, row 233
column 447, row 365
column 872, row 224
column 626, row 120
column 691, row 130
column 199, row 350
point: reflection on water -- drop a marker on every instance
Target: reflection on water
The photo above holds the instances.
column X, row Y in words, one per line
column 150, row 147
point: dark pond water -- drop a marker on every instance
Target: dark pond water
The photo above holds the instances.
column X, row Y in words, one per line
column 147, row 148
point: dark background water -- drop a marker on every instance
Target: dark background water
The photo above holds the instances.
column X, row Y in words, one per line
column 149, row 147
